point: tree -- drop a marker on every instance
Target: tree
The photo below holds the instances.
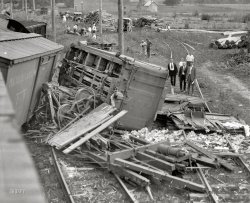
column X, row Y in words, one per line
column 172, row 2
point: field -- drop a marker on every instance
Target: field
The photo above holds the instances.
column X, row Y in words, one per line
column 226, row 88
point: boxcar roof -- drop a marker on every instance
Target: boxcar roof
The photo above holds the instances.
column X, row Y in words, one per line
column 17, row 47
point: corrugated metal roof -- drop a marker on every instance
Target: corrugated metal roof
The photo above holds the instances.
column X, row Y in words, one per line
column 19, row 46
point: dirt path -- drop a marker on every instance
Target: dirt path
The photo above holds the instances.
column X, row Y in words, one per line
column 226, row 82
column 236, row 95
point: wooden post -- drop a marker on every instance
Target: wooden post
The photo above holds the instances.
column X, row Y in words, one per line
column 2, row 4
column 26, row 9
column 11, row 8
column 100, row 20
column 120, row 27
column 34, row 5
column 53, row 20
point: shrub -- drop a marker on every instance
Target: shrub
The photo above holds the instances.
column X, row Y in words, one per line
column 186, row 26
column 205, row 17
column 196, row 13
column 246, row 18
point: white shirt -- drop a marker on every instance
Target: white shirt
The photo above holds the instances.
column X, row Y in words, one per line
column 94, row 28
column 171, row 66
column 89, row 29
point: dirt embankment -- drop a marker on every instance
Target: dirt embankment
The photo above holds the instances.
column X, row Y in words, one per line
column 227, row 94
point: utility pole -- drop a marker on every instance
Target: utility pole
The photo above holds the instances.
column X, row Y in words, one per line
column 11, row 8
column 34, row 5
column 120, row 27
column 2, row 4
column 26, row 9
column 53, row 20
column 23, row 5
column 100, row 20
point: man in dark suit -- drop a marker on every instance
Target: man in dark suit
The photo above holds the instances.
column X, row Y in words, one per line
column 182, row 74
column 172, row 70
column 190, row 75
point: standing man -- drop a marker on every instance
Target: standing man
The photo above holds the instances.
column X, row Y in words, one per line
column 190, row 75
column 172, row 70
column 182, row 74
column 148, row 47
column 143, row 48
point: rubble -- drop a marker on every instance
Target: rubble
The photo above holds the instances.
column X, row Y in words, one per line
column 93, row 18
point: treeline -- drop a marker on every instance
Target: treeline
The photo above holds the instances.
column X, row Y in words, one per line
column 40, row 3
column 217, row 1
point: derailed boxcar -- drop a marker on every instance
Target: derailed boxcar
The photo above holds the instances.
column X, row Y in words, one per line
column 142, row 84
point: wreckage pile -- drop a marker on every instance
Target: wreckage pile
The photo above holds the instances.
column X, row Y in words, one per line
column 93, row 18
column 144, row 21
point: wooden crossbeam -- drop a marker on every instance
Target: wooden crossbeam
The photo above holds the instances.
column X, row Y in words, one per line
column 158, row 163
column 127, row 153
column 174, row 181
column 223, row 163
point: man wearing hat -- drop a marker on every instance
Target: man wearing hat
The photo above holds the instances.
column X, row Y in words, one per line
column 172, row 70
column 190, row 74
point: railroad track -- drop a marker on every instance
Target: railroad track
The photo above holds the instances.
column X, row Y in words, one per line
column 61, row 178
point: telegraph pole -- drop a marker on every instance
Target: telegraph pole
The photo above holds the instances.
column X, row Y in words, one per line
column 34, row 5
column 120, row 27
column 100, row 20
column 2, row 4
column 11, row 8
column 26, row 9
column 53, row 20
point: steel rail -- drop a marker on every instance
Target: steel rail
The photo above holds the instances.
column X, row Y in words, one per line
column 67, row 194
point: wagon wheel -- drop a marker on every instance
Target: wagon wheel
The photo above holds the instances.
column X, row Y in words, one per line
column 64, row 113
column 83, row 98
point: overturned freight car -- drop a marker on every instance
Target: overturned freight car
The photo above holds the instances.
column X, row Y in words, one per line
column 141, row 83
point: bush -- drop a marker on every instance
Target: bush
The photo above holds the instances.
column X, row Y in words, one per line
column 186, row 26
column 205, row 17
column 246, row 18
column 196, row 13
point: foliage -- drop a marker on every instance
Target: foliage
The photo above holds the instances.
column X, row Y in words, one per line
column 186, row 26
column 205, row 17
column 196, row 13
column 246, row 18
column 172, row 2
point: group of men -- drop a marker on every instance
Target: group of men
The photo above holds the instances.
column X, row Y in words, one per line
column 146, row 47
column 91, row 31
column 186, row 73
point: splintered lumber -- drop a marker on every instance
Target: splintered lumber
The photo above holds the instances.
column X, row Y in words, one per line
column 158, row 163
column 210, row 155
column 130, row 194
column 174, row 181
column 127, row 153
column 212, row 195
column 205, row 161
column 133, row 176
column 161, row 156
column 82, row 126
column 241, row 160
column 94, row 132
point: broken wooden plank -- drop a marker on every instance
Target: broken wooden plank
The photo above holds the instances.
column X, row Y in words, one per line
column 212, row 195
column 205, row 161
column 210, row 155
column 127, row 153
column 241, row 160
column 131, row 196
column 158, row 163
column 161, row 156
column 94, row 132
column 82, row 126
column 135, row 177
column 175, row 181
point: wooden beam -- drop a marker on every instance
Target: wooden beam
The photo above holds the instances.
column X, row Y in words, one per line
column 174, row 181
column 130, row 194
column 158, row 163
column 94, row 132
column 127, row 153
column 223, row 163
column 120, row 27
column 212, row 195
